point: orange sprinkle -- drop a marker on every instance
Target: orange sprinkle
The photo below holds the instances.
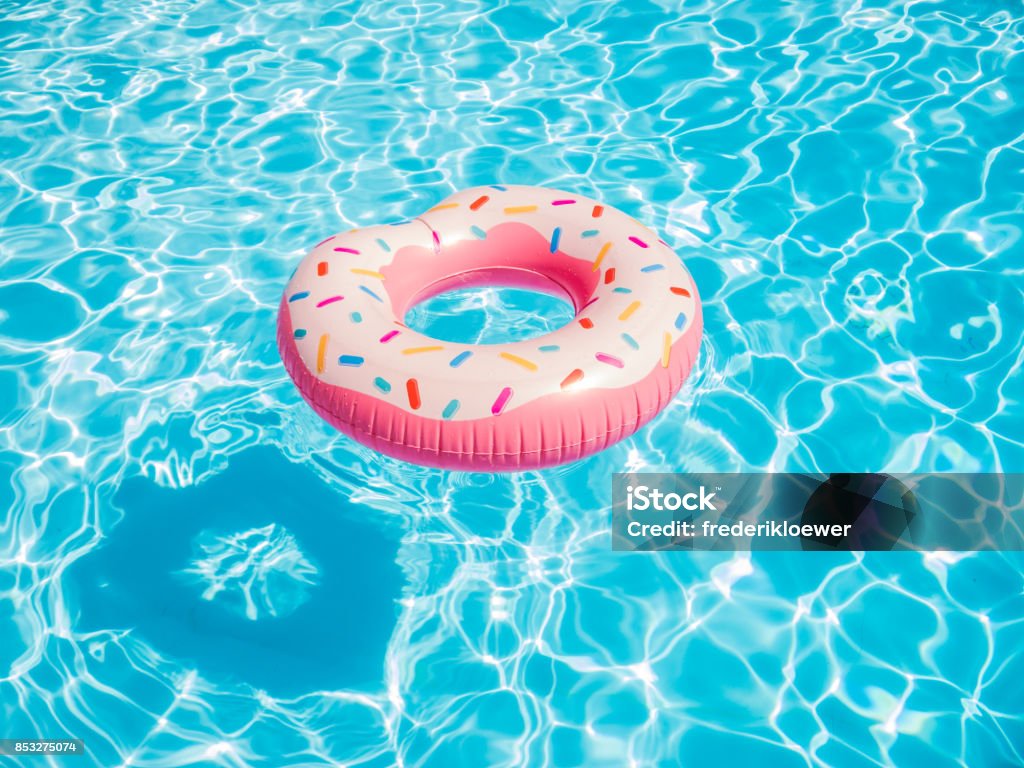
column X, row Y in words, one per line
column 600, row 255
column 521, row 209
column 679, row 291
column 321, row 352
column 572, row 378
column 530, row 366
column 609, row 276
column 417, row 350
column 666, row 349
column 367, row 272
column 412, row 388
column 321, row 268
column 629, row 310
column 586, row 322
column 443, row 206
column 478, row 202
column 598, row 210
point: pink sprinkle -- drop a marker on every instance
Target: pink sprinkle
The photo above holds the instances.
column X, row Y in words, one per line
column 331, row 300
column 638, row 241
column 347, row 250
column 502, row 401
column 562, row 202
column 610, row 360
column 388, row 336
column 437, row 242
column 324, row 241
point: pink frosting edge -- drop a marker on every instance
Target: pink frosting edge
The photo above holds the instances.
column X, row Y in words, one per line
column 555, row 429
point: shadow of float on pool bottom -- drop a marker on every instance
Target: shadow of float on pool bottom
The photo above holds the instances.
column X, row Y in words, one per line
column 261, row 575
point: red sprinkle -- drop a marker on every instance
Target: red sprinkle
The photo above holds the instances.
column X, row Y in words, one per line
column 478, row 202
column 609, row 276
column 572, row 378
column 586, row 322
column 321, row 268
column 598, row 210
column 679, row 291
column 412, row 387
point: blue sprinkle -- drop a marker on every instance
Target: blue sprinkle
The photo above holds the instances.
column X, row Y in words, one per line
column 623, row 290
column 630, row 340
column 356, row 317
column 300, row 333
column 590, row 233
column 549, row 348
column 351, row 360
column 382, row 385
column 478, row 232
column 297, row 296
column 385, row 246
column 450, row 409
column 680, row 321
column 652, row 268
column 460, row 358
column 498, row 187
column 555, row 237
column 367, row 290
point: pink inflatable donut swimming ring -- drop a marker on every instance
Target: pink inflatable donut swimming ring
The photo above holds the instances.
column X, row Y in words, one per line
column 494, row 407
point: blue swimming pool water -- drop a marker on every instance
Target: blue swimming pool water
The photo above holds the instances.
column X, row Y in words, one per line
column 195, row 570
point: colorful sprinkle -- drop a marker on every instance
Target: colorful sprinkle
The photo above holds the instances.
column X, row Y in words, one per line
column 620, row 289
column 563, row 202
column 598, row 210
column 460, row 358
column 321, row 351
column 388, row 336
column 556, row 235
column 437, row 241
column 384, row 246
column 638, row 241
column 321, row 269
column 600, row 255
column 353, row 361
column 610, row 360
column 631, row 341
column 652, row 268
column 498, row 187
column 609, row 276
column 450, row 409
column 324, row 241
column 590, row 233
column 680, row 321
column 478, row 203
column 300, row 333
column 528, row 365
column 549, row 348
column 666, row 349
column 367, row 273
column 412, row 389
column 478, row 232
column 420, row 350
column 297, row 296
column 327, row 301
column 364, row 289
column 356, row 317
column 502, row 401
column 587, row 323
column 347, row 250
column 443, row 207
column 382, row 384
column 679, row 291
column 521, row 209
column 628, row 311
column 572, row 378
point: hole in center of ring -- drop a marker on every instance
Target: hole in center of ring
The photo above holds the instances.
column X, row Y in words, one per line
column 489, row 315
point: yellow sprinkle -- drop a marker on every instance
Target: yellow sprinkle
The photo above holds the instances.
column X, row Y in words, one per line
column 518, row 361
column 367, row 272
column 521, row 209
column 629, row 310
column 417, row 350
column 600, row 256
column 443, row 207
column 666, row 349
column 321, row 351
